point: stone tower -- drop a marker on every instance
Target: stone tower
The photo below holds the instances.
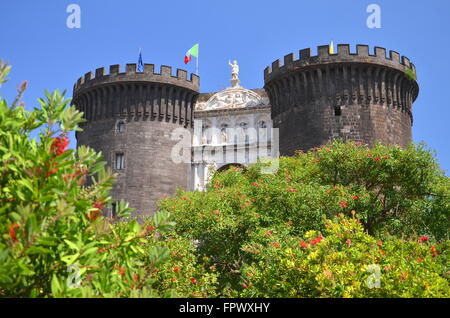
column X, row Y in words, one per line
column 130, row 117
column 357, row 96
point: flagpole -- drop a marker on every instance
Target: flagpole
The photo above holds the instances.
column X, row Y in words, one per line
column 196, row 62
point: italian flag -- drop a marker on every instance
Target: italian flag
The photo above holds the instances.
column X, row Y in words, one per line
column 192, row 52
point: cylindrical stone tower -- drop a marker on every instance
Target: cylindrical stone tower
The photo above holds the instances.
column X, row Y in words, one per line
column 130, row 117
column 354, row 96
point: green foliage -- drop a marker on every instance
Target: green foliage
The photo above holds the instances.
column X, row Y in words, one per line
column 54, row 241
column 411, row 75
column 396, row 194
column 345, row 262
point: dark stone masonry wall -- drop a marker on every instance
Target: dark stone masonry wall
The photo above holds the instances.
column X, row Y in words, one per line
column 149, row 173
column 149, row 107
column 354, row 96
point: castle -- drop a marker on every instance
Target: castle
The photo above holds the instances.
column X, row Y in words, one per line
column 137, row 119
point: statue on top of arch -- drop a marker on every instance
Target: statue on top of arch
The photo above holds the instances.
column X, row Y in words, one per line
column 234, row 73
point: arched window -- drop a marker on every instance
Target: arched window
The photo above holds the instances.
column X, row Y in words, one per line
column 232, row 166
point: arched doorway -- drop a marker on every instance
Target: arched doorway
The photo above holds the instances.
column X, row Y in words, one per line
column 231, row 165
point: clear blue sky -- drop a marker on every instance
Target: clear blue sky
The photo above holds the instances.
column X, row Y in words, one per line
column 34, row 38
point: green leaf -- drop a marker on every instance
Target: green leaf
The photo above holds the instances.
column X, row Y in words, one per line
column 69, row 260
column 25, row 270
column 55, row 285
column 38, row 250
column 72, row 245
column 27, row 184
column 90, row 251
column 15, row 216
column 47, row 241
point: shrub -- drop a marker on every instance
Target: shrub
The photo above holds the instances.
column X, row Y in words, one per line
column 397, row 195
column 345, row 262
column 54, row 239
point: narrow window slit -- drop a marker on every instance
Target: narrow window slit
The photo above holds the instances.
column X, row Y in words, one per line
column 337, row 111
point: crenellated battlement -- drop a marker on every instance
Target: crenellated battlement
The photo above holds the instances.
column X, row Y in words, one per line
column 343, row 55
column 100, row 77
column 364, row 96
column 147, row 95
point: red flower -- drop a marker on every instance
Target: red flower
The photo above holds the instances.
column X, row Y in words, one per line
column 386, row 157
column 98, row 205
column 216, row 212
column 316, row 240
column 100, row 250
column 93, row 215
column 176, row 269
column 59, row 144
column 255, row 184
column 135, row 278
column 150, row 228
column 121, row 271
column 377, row 159
column 380, row 243
column 433, row 250
column 268, row 233
column 276, row 244
column 193, row 280
column 52, row 171
column 303, row 244
column 244, row 285
column 424, row 238
column 355, row 197
column 289, row 223
column 12, row 233
column 348, row 242
column 292, row 189
column 420, row 260
column 343, row 204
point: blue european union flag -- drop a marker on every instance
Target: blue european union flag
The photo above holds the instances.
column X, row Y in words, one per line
column 140, row 67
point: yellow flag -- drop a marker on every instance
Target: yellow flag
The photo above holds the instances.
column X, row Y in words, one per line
column 331, row 47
